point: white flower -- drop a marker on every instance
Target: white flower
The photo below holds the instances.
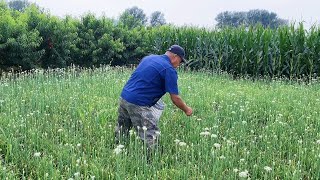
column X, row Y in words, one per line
column 206, row 133
column 117, row 150
column 76, row 174
column 144, row 128
column 120, row 146
column 242, row 160
column 267, row 168
column 244, row 174
column 78, row 161
column 235, row 170
column 222, row 157
column 214, row 135
column 229, row 142
column 182, row 144
column 79, row 144
column 206, row 129
column 177, row 141
column 158, row 133
column 60, row 130
column 199, row 119
column 318, row 141
column 217, row 145
column 37, row 154
column 131, row 131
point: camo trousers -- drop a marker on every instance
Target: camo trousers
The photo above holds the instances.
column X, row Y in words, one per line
column 143, row 119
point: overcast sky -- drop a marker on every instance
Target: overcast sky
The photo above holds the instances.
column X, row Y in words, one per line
column 187, row 12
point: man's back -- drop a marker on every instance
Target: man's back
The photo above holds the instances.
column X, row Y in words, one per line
column 150, row 81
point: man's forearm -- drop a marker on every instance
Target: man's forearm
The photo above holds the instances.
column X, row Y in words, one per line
column 179, row 103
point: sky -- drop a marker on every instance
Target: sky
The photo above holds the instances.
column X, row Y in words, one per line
column 187, row 12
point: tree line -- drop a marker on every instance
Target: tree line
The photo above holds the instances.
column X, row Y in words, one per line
column 135, row 16
column 30, row 37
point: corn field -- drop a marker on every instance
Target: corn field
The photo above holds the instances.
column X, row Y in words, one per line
column 256, row 51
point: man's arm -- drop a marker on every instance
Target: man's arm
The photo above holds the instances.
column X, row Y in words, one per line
column 176, row 99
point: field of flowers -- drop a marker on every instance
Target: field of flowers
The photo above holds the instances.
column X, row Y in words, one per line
column 59, row 125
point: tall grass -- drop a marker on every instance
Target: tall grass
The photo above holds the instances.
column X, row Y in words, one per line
column 59, row 125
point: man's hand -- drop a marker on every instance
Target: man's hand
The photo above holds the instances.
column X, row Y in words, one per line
column 189, row 111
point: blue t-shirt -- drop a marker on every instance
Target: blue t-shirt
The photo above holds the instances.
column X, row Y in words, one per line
column 153, row 77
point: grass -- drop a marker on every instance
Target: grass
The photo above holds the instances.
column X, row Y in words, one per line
column 59, row 125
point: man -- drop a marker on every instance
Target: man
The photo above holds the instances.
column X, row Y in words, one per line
column 140, row 103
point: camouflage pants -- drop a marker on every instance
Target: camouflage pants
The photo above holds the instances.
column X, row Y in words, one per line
column 143, row 119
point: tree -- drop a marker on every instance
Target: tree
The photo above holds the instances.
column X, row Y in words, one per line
column 18, row 5
column 265, row 18
column 234, row 19
column 133, row 17
column 157, row 19
column 250, row 18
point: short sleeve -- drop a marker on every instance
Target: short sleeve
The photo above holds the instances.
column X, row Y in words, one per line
column 171, row 81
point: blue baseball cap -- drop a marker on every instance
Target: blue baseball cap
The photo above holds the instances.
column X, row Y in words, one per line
column 178, row 50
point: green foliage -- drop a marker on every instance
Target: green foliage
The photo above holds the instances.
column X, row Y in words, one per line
column 250, row 18
column 19, row 5
column 133, row 17
column 157, row 19
column 253, row 51
column 34, row 38
column 265, row 18
column 233, row 19
column 3, row 5
column 18, row 45
column 135, row 45
column 97, row 42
